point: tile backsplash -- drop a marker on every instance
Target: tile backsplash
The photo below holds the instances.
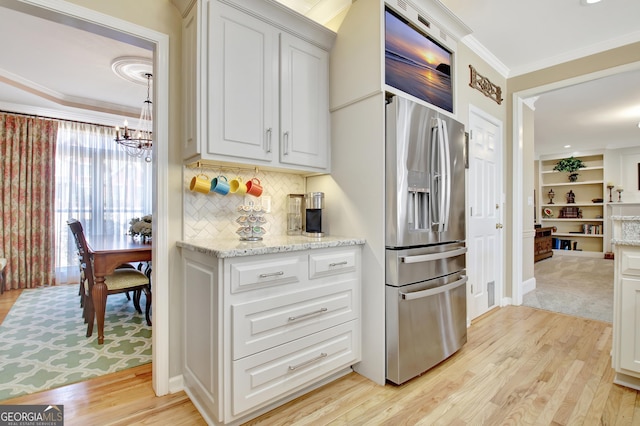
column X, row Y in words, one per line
column 214, row 216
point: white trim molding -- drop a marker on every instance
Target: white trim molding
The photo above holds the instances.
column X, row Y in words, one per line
column 109, row 26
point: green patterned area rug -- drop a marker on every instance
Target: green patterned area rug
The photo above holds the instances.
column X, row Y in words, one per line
column 43, row 343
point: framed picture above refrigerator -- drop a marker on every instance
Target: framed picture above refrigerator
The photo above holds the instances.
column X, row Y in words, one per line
column 416, row 63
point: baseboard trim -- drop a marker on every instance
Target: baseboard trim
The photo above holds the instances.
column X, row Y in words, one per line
column 528, row 285
column 176, row 383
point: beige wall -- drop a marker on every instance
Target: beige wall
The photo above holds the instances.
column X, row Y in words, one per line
column 466, row 95
column 579, row 67
column 163, row 17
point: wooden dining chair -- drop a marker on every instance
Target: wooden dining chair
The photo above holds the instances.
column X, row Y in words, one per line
column 121, row 281
column 3, row 264
column 74, row 229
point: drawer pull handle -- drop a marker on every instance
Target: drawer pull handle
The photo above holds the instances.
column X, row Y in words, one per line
column 319, row 311
column 344, row 262
column 273, row 274
column 311, row 361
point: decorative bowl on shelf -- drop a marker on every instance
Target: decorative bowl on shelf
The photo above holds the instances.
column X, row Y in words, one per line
column 597, row 200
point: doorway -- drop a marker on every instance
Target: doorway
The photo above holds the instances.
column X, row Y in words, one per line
column 519, row 146
column 89, row 20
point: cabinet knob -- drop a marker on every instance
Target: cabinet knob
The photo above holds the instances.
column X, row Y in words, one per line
column 499, row 226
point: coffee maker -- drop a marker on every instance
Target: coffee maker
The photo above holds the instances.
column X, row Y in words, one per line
column 313, row 213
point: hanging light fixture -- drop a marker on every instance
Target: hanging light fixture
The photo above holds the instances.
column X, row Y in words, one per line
column 139, row 142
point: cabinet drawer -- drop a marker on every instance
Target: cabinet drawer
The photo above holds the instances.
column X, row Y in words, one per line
column 630, row 263
column 267, row 322
column 265, row 272
column 331, row 263
column 270, row 375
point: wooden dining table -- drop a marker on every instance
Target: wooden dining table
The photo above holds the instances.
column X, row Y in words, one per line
column 109, row 252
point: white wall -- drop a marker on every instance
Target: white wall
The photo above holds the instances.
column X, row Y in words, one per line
column 621, row 168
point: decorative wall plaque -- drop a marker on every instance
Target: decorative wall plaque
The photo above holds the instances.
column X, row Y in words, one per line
column 485, row 86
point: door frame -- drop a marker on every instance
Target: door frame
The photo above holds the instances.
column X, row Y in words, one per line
column 476, row 111
column 518, row 101
column 90, row 20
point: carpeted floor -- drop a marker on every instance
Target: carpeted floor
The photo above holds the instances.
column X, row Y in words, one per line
column 43, row 343
column 579, row 286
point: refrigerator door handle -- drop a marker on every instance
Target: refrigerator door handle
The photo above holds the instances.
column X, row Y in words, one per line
column 435, row 174
column 441, row 175
column 434, row 256
column 446, row 182
column 432, row 291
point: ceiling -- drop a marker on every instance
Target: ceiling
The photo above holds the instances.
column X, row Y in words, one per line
column 66, row 73
column 69, row 69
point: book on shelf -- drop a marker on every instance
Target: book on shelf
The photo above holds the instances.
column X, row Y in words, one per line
column 591, row 229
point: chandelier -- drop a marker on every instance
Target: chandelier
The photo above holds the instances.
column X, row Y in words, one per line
column 138, row 142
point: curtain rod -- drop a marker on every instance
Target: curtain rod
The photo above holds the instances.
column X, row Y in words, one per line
column 52, row 118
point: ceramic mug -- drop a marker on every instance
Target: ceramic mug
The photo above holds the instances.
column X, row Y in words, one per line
column 254, row 188
column 200, row 183
column 237, row 186
column 220, row 185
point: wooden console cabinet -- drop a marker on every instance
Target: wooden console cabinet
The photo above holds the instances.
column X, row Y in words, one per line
column 543, row 244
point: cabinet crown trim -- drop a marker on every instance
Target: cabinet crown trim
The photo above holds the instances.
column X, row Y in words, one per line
column 285, row 19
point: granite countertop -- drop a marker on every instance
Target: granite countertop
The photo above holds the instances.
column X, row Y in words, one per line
column 629, row 231
column 233, row 247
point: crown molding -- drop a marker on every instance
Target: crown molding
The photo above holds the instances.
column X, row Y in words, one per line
column 84, row 116
column 65, row 100
column 478, row 48
column 576, row 54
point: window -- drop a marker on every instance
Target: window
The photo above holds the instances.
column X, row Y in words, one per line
column 98, row 184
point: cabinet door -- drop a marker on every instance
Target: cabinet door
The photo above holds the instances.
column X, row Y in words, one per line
column 304, row 108
column 243, row 85
column 190, row 75
column 630, row 324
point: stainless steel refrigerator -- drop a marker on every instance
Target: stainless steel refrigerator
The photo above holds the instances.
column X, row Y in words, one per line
column 426, row 306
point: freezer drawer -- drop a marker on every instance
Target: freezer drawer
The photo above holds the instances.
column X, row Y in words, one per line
column 425, row 324
column 413, row 265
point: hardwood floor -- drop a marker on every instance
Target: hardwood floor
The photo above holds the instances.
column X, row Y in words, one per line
column 520, row 366
column 7, row 299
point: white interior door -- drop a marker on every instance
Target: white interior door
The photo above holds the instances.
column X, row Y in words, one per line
column 485, row 255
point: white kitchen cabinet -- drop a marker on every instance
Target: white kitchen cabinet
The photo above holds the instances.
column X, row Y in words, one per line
column 626, row 321
column 304, row 103
column 243, row 63
column 266, row 85
column 193, row 85
column 263, row 329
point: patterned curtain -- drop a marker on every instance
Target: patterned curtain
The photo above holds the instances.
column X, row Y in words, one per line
column 27, row 153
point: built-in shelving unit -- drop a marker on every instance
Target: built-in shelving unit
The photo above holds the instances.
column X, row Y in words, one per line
column 579, row 225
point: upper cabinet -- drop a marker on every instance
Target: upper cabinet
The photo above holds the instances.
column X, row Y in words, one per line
column 256, row 87
column 191, row 84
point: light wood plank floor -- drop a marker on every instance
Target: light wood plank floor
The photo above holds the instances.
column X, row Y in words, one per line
column 521, row 366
